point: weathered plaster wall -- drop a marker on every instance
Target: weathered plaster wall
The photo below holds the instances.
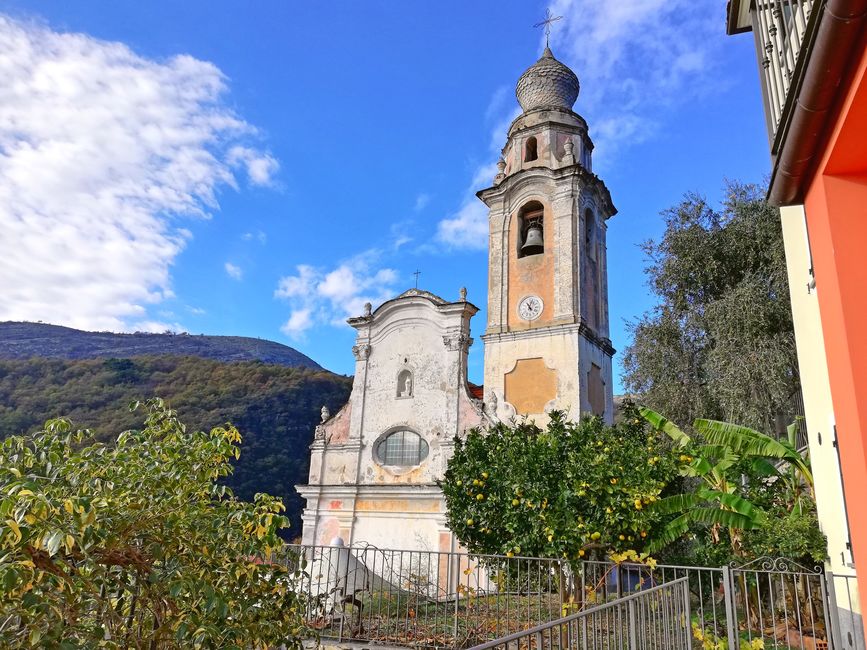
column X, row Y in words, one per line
column 410, row 375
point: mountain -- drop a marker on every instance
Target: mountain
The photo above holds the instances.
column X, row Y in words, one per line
column 275, row 401
column 26, row 340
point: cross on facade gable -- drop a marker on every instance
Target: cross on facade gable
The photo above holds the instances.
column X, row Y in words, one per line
column 416, row 274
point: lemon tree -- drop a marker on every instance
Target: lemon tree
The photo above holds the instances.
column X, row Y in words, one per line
column 136, row 545
column 567, row 491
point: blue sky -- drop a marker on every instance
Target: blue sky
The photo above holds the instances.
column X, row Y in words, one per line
column 263, row 169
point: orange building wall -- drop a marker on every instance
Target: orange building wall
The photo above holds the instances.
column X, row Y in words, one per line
column 836, row 209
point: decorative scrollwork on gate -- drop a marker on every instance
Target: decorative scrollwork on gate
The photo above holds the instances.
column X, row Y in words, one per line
column 775, row 565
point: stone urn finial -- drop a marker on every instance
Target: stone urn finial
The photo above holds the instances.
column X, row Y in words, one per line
column 367, row 309
column 569, row 157
column 463, row 294
column 325, row 413
column 501, row 171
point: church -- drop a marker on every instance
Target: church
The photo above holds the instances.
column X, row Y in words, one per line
column 374, row 464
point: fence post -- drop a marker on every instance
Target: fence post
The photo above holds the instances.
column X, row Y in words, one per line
column 687, row 615
column 832, row 616
column 731, row 609
column 633, row 635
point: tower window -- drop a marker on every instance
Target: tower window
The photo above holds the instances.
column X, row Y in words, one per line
column 531, row 230
column 531, row 150
column 590, row 234
column 402, row 448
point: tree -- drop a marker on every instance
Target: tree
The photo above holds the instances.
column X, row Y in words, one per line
column 136, row 545
column 720, row 343
column 562, row 492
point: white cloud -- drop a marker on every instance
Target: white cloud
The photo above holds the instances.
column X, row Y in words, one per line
column 260, row 167
column 234, row 271
column 260, row 236
column 468, row 227
column 101, row 150
column 634, row 60
column 157, row 327
column 321, row 296
column 299, row 321
column 421, row 202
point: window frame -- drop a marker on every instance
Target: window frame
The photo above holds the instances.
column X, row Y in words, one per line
column 422, row 451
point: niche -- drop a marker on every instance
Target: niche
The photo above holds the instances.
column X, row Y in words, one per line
column 404, row 383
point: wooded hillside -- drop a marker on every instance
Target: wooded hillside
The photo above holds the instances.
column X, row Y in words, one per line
column 20, row 340
column 275, row 407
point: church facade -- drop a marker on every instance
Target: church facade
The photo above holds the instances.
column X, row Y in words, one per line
column 375, row 463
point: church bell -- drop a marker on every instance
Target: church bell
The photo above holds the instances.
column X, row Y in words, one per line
column 533, row 242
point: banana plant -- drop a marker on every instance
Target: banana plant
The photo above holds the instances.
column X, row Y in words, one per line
column 715, row 461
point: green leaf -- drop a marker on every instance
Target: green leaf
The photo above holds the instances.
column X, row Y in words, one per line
column 660, row 423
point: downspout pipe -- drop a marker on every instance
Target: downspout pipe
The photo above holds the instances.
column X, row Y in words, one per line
column 841, row 30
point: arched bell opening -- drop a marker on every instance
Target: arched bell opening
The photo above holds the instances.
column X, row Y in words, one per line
column 531, row 229
column 531, row 149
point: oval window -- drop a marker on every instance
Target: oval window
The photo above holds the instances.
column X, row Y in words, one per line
column 402, row 448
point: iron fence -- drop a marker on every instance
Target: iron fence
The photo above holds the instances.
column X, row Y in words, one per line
column 605, row 580
column 768, row 603
column 657, row 618
column 847, row 623
column 776, row 603
column 427, row 598
column 456, row 600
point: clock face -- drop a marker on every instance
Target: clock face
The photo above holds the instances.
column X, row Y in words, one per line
column 530, row 308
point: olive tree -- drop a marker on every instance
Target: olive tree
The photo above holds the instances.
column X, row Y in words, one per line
column 720, row 342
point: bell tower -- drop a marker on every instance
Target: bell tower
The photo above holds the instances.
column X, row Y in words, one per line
column 547, row 341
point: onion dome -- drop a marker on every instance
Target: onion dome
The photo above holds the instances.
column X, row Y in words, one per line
column 547, row 84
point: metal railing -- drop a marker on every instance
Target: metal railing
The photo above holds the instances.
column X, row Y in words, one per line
column 847, row 622
column 602, row 581
column 427, row 598
column 771, row 603
column 780, row 27
column 776, row 603
column 657, row 618
column 456, row 600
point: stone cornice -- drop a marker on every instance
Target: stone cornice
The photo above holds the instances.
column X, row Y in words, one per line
column 363, row 490
column 603, row 344
column 513, row 181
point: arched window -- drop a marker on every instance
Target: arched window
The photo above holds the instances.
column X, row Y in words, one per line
column 531, row 149
column 531, row 229
column 402, row 448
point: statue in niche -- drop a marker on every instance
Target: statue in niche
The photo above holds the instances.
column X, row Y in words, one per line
column 404, row 384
